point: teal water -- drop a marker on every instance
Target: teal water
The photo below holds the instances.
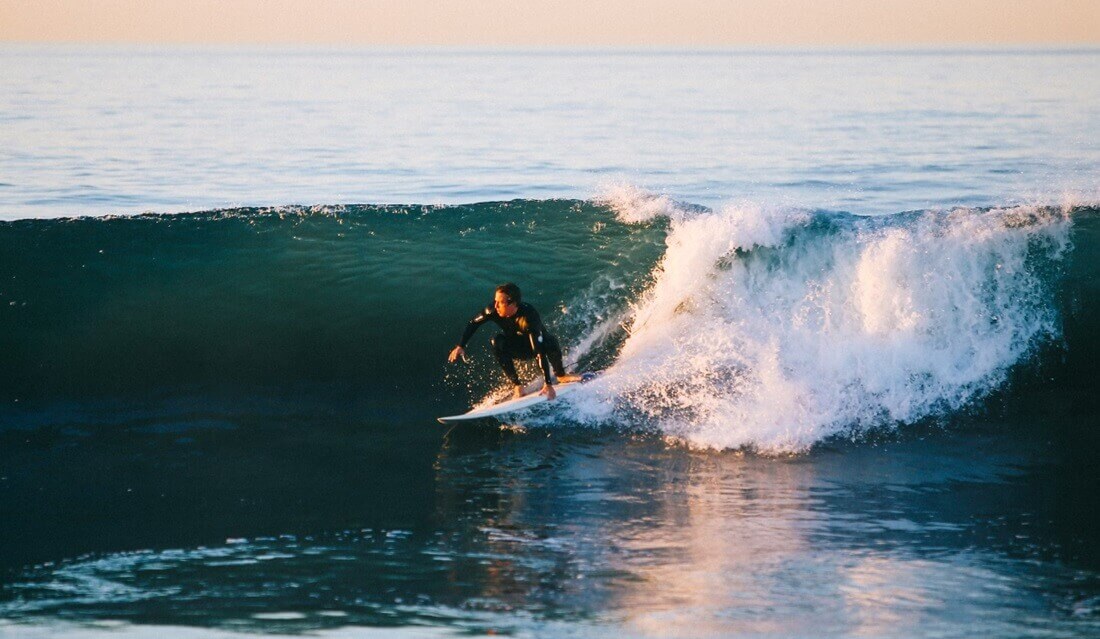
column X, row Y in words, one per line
column 845, row 304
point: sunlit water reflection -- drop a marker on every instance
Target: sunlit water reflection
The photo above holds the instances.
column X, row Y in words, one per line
column 546, row 533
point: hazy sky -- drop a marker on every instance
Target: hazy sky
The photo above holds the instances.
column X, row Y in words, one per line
column 557, row 23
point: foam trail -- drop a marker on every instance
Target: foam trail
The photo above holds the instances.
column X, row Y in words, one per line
column 777, row 328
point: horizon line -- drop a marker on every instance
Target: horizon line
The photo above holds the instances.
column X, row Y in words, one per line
column 1023, row 47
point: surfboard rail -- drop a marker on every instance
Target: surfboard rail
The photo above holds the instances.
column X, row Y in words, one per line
column 518, row 403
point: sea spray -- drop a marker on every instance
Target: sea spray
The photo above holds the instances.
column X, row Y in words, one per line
column 775, row 329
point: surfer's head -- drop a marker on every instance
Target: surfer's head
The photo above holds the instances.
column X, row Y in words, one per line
column 506, row 299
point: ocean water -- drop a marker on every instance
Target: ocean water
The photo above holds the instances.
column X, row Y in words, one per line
column 845, row 302
column 128, row 130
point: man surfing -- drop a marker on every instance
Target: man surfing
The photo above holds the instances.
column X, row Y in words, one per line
column 524, row 337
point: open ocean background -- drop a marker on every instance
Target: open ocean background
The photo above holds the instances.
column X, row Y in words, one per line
column 847, row 304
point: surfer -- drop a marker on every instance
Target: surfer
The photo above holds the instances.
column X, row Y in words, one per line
column 524, row 337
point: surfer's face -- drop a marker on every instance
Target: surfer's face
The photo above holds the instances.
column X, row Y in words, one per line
column 504, row 306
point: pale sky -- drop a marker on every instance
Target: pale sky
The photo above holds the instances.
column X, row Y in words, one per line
column 557, row 23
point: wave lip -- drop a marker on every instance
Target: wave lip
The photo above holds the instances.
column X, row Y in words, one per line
column 774, row 329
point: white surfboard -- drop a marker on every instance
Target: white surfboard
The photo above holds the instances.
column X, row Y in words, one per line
column 519, row 403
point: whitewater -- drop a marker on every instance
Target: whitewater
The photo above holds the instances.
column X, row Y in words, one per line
column 776, row 328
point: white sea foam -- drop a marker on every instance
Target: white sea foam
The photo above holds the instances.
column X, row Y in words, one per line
column 776, row 328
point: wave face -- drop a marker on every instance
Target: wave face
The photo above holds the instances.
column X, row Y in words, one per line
column 354, row 303
column 746, row 326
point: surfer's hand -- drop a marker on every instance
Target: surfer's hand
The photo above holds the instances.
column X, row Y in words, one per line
column 456, row 353
column 549, row 391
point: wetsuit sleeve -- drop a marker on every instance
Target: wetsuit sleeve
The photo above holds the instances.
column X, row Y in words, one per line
column 472, row 326
column 536, row 332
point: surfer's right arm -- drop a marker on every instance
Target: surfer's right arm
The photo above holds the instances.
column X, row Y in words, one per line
column 471, row 328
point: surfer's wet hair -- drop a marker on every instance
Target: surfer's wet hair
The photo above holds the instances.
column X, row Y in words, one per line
column 511, row 291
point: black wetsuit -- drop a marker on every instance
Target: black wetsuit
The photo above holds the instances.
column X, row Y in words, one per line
column 524, row 337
